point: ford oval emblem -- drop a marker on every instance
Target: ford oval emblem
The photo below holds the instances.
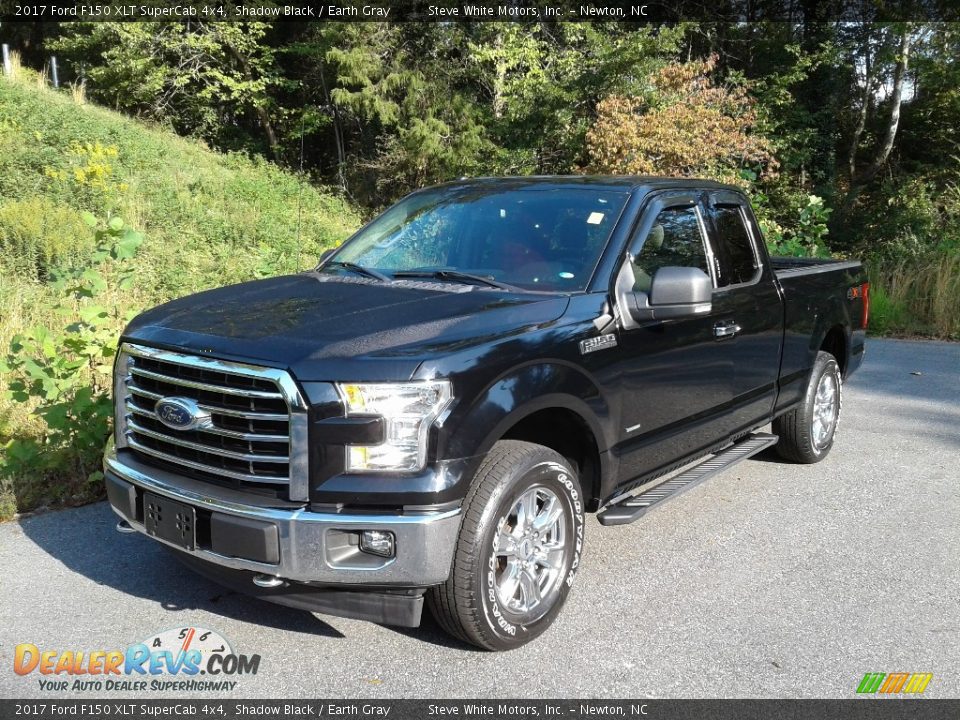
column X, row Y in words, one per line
column 181, row 413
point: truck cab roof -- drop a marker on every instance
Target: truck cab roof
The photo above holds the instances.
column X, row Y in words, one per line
column 626, row 183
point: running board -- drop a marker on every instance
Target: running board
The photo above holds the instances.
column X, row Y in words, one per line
column 636, row 506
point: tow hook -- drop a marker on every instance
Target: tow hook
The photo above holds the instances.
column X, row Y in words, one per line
column 124, row 527
column 267, row 581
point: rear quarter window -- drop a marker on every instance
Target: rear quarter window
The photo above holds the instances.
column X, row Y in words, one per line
column 735, row 256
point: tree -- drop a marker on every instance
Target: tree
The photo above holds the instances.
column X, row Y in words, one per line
column 929, row 134
column 541, row 84
column 403, row 106
column 203, row 78
column 878, row 45
column 685, row 124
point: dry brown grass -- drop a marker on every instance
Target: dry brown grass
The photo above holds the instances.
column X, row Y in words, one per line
column 15, row 65
column 919, row 297
column 78, row 91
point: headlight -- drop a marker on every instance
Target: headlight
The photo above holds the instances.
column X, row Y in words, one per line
column 408, row 410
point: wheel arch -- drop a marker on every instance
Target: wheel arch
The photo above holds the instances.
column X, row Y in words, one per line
column 555, row 405
column 836, row 341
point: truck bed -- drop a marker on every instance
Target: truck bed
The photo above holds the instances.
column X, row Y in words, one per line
column 817, row 305
column 793, row 266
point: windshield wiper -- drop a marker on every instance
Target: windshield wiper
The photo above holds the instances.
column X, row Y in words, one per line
column 445, row 274
column 359, row 269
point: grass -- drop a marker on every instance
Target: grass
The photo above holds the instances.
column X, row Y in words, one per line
column 223, row 217
column 918, row 297
column 208, row 219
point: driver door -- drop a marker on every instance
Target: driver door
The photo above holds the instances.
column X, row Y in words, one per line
column 675, row 377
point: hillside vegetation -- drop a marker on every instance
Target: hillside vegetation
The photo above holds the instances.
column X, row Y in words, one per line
column 101, row 216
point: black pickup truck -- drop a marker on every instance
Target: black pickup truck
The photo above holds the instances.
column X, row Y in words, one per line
column 429, row 413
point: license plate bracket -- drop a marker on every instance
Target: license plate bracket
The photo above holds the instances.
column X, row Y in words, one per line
column 170, row 520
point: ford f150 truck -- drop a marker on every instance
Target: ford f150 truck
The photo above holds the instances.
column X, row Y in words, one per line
column 427, row 415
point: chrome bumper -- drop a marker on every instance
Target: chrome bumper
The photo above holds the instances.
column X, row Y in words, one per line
column 425, row 542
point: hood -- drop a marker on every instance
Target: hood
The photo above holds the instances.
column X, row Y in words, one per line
column 330, row 327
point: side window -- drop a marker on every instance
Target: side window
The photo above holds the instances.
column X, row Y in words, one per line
column 734, row 253
column 674, row 240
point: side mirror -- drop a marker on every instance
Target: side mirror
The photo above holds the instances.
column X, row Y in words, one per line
column 675, row 292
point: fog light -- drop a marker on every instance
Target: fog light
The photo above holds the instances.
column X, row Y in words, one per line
column 377, row 542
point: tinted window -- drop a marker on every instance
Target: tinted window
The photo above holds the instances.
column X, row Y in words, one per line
column 736, row 260
column 674, row 240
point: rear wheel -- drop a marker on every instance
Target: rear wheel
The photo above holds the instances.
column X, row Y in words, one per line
column 518, row 549
column 807, row 432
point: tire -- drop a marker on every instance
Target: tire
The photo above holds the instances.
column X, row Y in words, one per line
column 490, row 598
column 807, row 432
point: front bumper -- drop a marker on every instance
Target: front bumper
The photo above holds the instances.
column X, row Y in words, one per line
column 287, row 540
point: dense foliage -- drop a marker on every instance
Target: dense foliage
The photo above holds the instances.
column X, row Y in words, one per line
column 844, row 134
column 100, row 217
column 861, row 115
column 683, row 125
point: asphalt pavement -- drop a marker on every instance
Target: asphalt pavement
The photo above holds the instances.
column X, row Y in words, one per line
column 770, row 580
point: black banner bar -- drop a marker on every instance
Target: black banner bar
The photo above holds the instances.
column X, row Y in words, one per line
column 635, row 11
column 211, row 709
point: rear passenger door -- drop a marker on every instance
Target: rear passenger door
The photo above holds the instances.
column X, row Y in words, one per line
column 747, row 308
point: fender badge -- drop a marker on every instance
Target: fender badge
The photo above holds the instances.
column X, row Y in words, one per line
column 601, row 342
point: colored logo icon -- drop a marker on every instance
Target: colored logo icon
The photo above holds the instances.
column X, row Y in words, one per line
column 894, row 683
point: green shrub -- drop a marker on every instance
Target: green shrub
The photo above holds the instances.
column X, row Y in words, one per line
column 8, row 503
column 888, row 316
column 64, row 372
column 38, row 236
column 913, row 218
column 915, row 270
column 805, row 235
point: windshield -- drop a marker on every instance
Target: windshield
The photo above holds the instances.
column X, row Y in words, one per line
column 532, row 238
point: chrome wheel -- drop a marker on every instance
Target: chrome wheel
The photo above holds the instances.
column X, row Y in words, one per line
column 825, row 405
column 530, row 552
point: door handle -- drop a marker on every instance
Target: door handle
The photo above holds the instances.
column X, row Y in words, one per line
column 725, row 330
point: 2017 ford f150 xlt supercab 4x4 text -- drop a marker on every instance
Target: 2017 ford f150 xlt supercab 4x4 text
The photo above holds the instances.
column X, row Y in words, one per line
column 428, row 414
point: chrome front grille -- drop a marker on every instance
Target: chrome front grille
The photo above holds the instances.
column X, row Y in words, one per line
column 254, row 438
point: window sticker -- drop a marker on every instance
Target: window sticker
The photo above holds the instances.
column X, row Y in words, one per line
column 595, row 218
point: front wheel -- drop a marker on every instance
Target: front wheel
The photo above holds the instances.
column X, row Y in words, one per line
column 807, row 432
column 518, row 550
